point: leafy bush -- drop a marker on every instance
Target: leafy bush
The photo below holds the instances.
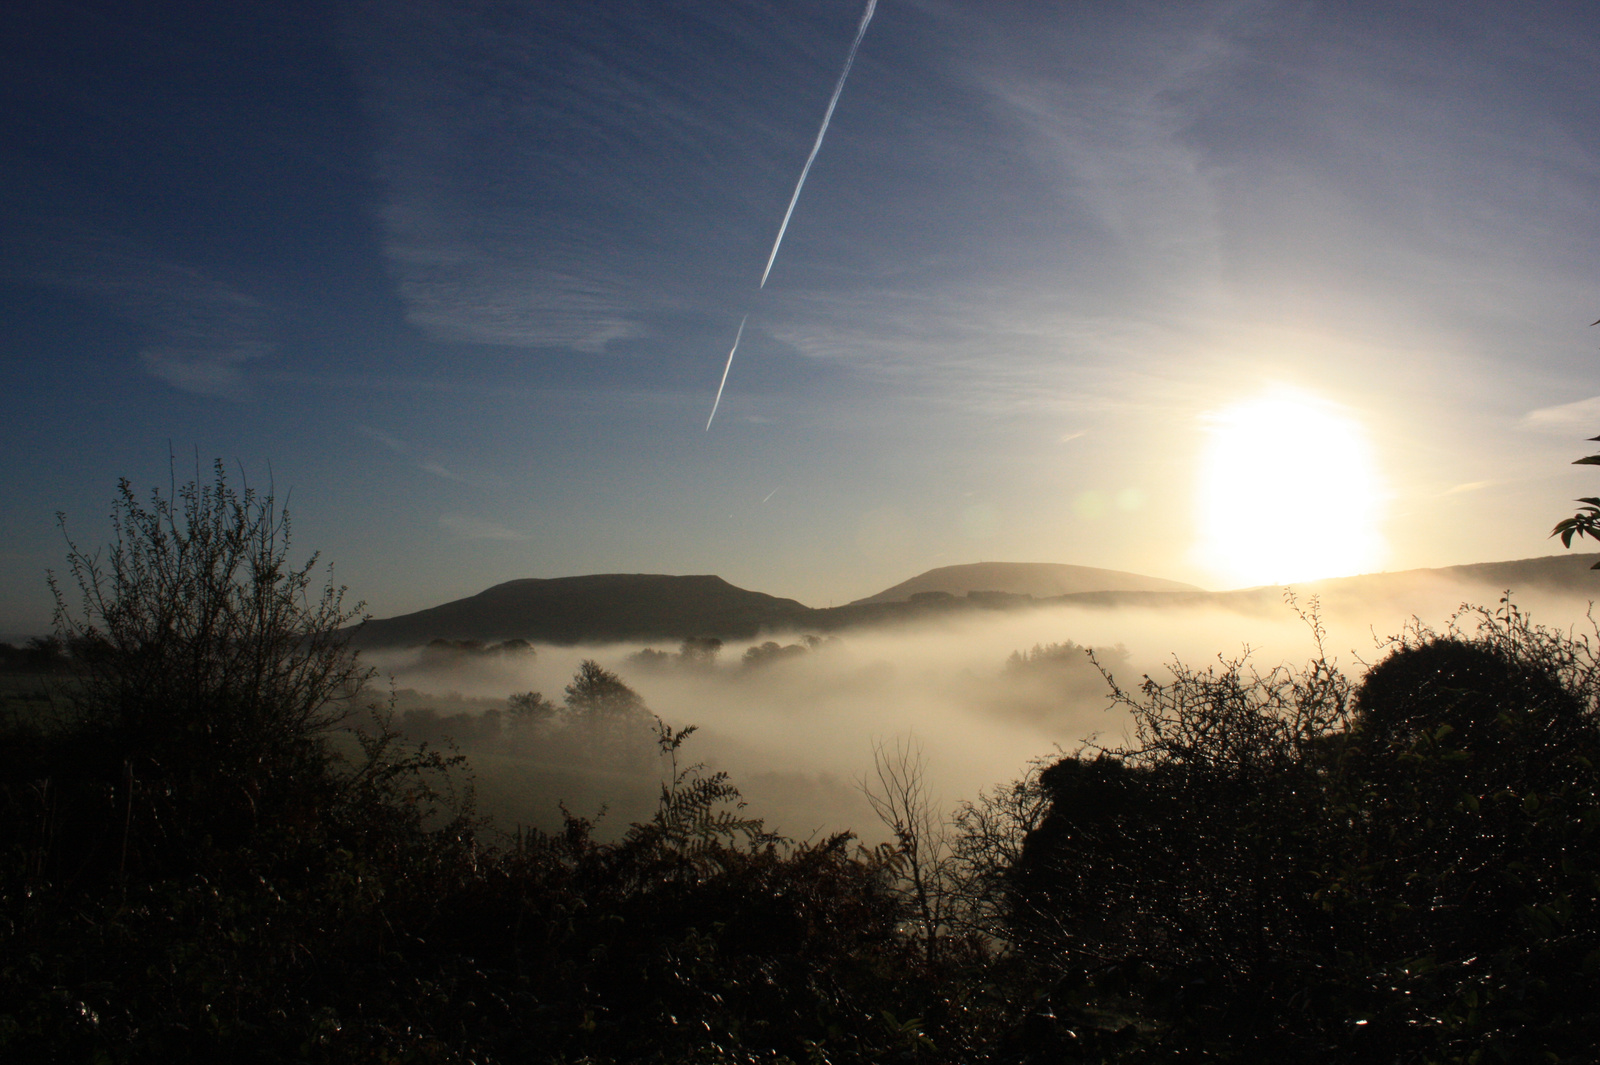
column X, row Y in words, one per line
column 1287, row 865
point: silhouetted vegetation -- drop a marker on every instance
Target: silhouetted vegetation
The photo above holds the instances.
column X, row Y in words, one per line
column 1586, row 522
column 452, row 652
column 770, row 651
column 39, row 655
column 216, row 847
column 1287, row 867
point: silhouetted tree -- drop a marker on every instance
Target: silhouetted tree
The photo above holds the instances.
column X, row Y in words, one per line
column 598, row 696
column 648, row 658
column 898, row 793
column 989, row 834
column 208, row 660
column 531, row 710
column 767, row 653
column 40, row 654
column 699, row 651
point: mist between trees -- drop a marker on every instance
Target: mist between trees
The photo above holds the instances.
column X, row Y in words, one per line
column 798, row 730
column 227, row 836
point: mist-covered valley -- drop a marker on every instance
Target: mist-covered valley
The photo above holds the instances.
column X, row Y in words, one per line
column 794, row 717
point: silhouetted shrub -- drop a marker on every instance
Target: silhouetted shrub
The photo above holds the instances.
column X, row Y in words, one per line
column 206, row 848
column 1279, row 870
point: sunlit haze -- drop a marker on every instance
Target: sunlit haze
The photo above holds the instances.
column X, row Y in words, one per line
column 1288, row 491
column 1010, row 282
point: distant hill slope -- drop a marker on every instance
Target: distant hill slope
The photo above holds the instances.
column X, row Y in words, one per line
column 1042, row 580
column 611, row 607
column 1563, row 574
column 1552, row 572
column 1569, row 574
column 596, row 608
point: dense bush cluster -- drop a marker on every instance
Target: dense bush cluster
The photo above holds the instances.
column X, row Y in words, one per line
column 1287, row 867
column 214, row 848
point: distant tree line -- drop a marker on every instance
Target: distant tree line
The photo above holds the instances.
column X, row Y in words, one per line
column 695, row 652
column 450, row 650
column 39, row 654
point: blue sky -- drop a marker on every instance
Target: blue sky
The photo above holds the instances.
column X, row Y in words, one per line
column 461, row 276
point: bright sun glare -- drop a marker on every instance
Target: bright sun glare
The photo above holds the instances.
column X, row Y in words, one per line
column 1287, row 491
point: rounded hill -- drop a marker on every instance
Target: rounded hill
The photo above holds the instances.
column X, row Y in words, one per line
column 601, row 607
column 1041, row 580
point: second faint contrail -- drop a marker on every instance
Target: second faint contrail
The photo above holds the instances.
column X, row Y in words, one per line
column 861, row 31
column 725, row 369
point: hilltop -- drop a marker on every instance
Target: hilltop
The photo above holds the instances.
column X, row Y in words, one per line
column 1041, row 580
column 600, row 607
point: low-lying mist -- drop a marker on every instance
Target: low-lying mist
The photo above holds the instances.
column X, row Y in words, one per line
column 795, row 721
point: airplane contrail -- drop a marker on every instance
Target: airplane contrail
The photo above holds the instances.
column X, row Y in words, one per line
column 861, row 31
column 838, row 88
column 715, row 403
column 770, row 494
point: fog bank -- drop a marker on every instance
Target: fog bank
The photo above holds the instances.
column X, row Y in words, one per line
column 796, row 731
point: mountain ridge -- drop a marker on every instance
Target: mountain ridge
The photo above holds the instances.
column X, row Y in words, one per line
column 592, row 607
column 618, row 607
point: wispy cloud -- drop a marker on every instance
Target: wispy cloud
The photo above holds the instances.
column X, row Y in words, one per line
column 204, row 333
column 470, row 528
column 1469, row 486
column 554, row 175
column 1581, row 416
column 439, row 470
column 999, row 350
column 1080, row 208
column 400, row 447
column 393, row 443
column 1115, row 140
column 204, row 365
column 536, row 162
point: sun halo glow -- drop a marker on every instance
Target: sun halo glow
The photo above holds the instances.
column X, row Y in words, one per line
column 1287, row 491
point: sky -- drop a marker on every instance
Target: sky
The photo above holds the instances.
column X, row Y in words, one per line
column 459, row 278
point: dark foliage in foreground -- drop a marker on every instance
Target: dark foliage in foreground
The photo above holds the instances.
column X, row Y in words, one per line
column 211, row 851
column 1283, row 868
column 353, row 928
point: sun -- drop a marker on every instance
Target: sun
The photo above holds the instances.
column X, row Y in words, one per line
column 1287, row 491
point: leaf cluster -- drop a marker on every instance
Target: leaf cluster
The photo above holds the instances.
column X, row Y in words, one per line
column 1586, row 522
